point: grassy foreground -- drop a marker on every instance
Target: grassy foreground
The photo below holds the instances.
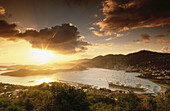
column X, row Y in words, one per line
column 61, row 97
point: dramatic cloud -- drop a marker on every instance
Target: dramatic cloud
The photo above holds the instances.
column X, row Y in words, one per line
column 7, row 30
column 165, row 50
column 60, row 39
column 122, row 15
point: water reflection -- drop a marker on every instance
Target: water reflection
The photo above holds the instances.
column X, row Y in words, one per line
column 46, row 80
column 92, row 76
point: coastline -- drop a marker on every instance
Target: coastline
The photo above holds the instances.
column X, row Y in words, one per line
column 164, row 87
column 23, row 73
column 29, row 72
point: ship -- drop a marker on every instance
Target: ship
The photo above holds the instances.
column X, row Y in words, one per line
column 118, row 85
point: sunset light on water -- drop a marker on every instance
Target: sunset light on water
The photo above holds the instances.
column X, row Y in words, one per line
column 44, row 80
column 84, row 55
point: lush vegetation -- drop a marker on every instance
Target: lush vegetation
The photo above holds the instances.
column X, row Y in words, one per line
column 60, row 97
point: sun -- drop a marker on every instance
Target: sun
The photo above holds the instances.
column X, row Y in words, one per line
column 42, row 56
column 46, row 80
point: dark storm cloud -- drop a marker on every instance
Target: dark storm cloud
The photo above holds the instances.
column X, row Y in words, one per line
column 60, row 39
column 121, row 15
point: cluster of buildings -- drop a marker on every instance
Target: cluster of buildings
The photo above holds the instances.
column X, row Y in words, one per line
column 8, row 93
column 164, row 76
column 86, row 88
column 103, row 91
column 152, row 73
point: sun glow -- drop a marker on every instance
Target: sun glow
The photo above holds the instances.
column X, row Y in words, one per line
column 42, row 56
column 46, row 80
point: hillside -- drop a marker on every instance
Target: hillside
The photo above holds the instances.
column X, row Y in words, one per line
column 142, row 59
column 61, row 97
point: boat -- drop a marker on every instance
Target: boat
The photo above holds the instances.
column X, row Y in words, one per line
column 119, row 85
column 123, row 86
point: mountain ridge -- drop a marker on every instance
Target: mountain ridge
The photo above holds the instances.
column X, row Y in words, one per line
column 141, row 59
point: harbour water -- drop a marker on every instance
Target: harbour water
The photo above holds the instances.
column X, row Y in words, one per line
column 92, row 76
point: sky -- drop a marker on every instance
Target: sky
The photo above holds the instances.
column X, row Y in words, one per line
column 77, row 29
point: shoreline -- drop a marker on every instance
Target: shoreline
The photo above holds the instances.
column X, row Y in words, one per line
column 29, row 72
column 164, row 87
